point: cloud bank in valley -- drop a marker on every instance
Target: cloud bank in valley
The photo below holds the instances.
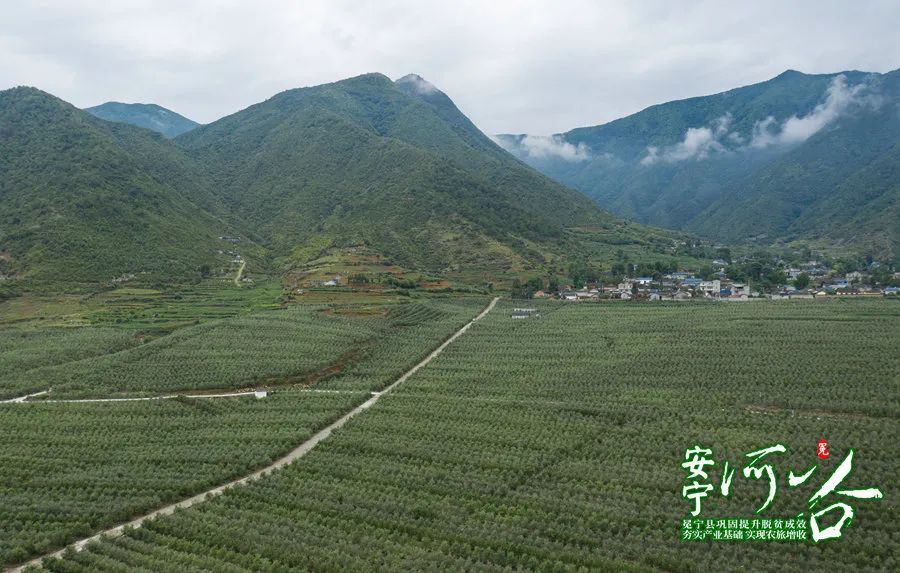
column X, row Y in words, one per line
column 839, row 100
column 700, row 143
column 550, row 146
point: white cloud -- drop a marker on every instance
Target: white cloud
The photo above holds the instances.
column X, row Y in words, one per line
column 701, row 142
column 544, row 146
column 839, row 100
column 698, row 143
column 419, row 84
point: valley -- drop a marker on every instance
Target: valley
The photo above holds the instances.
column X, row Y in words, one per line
column 340, row 328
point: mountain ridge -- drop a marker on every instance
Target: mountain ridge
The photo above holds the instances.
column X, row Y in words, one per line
column 696, row 164
column 360, row 167
column 297, row 131
column 147, row 115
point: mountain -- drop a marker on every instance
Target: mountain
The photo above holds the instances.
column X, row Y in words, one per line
column 797, row 158
column 83, row 200
column 391, row 169
column 366, row 168
column 150, row 116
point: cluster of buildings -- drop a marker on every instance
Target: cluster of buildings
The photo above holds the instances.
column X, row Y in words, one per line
column 684, row 286
column 824, row 282
column 675, row 286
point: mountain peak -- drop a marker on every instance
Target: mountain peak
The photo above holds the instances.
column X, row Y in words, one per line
column 146, row 115
column 132, row 105
column 371, row 78
column 22, row 92
column 416, row 84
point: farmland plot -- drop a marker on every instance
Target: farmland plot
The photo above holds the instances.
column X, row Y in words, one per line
column 67, row 470
column 555, row 443
column 24, row 349
column 70, row 469
column 298, row 345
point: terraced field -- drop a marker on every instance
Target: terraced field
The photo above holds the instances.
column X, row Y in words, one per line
column 555, row 443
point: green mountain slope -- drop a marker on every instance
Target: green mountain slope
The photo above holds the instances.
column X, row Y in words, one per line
column 836, row 186
column 150, row 116
column 367, row 163
column 865, row 207
column 771, row 161
column 83, row 200
column 391, row 173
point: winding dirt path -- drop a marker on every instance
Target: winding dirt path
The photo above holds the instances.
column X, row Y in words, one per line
column 240, row 272
column 298, row 452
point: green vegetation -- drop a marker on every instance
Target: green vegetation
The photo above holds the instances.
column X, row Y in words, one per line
column 22, row 350
column 150, row 116
column 166, row 309
column 362, row 167
column 555, row 443
column 836, row 190
column 293, row 346
column 413, row 334
column 85, row 201
column 232, row 353
column 69, row 469
column 142, row 310
column 359, row 212
column 369, row 164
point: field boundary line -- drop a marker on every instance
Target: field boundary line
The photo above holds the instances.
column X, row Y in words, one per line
column 298, row 452
column 25, row 399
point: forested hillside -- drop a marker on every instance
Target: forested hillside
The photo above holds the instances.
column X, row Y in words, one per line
column 389, row 170
column 85, row 200
column 799, row 157
column 390, row 167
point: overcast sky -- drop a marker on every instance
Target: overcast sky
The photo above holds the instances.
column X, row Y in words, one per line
column 536, row 67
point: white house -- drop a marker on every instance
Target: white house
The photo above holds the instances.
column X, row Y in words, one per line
column 713, row 286
column 740, row 290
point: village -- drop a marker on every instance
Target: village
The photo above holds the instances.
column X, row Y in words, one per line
column 806, row 281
